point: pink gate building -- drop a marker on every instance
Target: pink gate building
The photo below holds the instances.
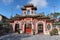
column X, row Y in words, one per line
column 30, row 21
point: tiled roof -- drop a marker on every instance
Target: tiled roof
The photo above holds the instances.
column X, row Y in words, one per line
column 3, row 16
column 29, row 5
column 29, row 16
column 57, row 23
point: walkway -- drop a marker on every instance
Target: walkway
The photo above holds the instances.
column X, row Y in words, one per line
column 43, row 37
column 15, row 36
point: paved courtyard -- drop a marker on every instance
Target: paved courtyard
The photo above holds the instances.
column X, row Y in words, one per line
column 15, row 36
column 43, row 37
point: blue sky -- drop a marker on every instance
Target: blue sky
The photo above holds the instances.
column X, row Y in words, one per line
column 12, row 7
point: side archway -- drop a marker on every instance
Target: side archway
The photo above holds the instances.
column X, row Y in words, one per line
column 16, row 27
column 40, row 27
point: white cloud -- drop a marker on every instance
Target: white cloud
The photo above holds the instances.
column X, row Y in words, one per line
column 39, row 3
column 18, row 6
column 7, row 2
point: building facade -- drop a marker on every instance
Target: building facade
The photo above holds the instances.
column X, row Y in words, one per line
column 3, row 20
column 30, row 22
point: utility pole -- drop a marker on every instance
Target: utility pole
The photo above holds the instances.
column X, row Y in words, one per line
column 54, row 7
column 11, row 12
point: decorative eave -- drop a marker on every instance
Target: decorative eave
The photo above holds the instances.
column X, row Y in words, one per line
column 11, row 21
column 34, row 8
column 49, row 20
column 56, row 23
column 23, row 8
column 30, row 5
column 37, row 16
column 18, row 17
column 43, row 17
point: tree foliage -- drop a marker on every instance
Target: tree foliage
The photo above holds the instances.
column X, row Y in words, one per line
column 54, row 15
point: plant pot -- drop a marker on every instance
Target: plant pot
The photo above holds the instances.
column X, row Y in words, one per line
column 33, row 33
column 18, row 31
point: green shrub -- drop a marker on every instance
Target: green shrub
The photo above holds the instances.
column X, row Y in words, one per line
column 54, row 32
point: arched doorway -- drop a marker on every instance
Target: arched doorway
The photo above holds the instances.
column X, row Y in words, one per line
column 28, row 27
column 16, row 27
column 40, row 28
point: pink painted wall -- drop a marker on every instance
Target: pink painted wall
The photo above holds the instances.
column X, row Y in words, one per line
column 34, row 22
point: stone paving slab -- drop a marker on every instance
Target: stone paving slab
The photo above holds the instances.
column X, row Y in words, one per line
column 29, row 37
column 14, row 36
column 43, row 37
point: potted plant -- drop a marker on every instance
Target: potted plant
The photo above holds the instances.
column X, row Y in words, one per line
column 33, row 31
column 54, row 32
column 18, row 31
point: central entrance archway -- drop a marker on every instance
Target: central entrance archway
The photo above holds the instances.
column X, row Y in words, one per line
column 16, row 27
column 28, row 27
column 40, row 28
